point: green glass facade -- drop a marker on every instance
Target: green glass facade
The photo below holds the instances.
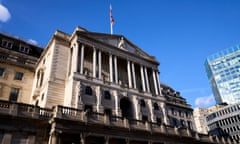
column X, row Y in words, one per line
column 223, row 71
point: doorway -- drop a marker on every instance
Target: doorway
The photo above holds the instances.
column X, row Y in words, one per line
column 126, row 107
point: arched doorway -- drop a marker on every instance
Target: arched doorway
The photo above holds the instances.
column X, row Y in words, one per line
column 126, row 107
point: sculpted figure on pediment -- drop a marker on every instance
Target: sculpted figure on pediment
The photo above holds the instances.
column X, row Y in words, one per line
column 121, row 43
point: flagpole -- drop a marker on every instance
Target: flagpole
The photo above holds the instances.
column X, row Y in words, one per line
column 111, row 20
column 111, row 28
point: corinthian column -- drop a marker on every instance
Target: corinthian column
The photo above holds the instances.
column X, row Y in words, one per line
column 134, row 77
column 147, row 82
column 158, row 83
column 110, row 68
column 143, row 79
column 82, row 59
column 155, row 82
column 94, row 62
column 115, row 69
column 99, row 64
column 129, row 74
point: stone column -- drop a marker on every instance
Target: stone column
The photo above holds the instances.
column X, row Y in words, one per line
column 7, row 138
column 129, row 74
column 117, row 113
column 151, row 110
column 136, row 107
column 143, row 79
column 127, row 141
column 75, row 53
column 82, row 59
column 165, row 115
column 31, row 139
column 134, row 77
column 94, row 62
column 115, row 69
column 155, row 82
column 99, row 64
column 99, row 104
column 53, row 139
column 110, row 68
column 147, row 81
column 158, row 83
column 106, row 140
column 82, row 138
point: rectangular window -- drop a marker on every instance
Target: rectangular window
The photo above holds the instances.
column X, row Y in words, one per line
column 21, row 60
column 1, row 72
column 14, row 94
column 24, row 49
column 7, row 44
column 18, row 76
column 3, row 57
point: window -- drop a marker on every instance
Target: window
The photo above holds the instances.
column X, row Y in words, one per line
column 88, row 90
column 7, row 44
column 142, row 103
column 1, row 72
column 14, row 94
column 42, row 97
column 172, row 111
column 159, row 121
column 18, row 76
column 156, row 107
column 88, row 108
column 182, row 123
column 24, row 49
column 107, row 95
column 21, row 60
column 108, row 112
column 144, row 118
column 3, row 57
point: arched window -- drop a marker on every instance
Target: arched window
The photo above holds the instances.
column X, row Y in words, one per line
column 88, row 90
column 156, row 107
column 142, row 103
column 107, row 95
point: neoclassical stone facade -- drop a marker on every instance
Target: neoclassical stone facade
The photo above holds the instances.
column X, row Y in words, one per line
column 99, row 72
column 95, row 88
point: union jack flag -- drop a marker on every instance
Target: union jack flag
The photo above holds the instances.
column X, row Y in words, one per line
column 111, row 16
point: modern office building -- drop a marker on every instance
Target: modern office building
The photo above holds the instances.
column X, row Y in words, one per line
column 224, row 122
column 223, row 71
column 93, row 88
column 200, row 115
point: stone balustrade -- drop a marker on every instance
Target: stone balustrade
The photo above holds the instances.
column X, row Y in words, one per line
column 24, row 110
column 61, row 112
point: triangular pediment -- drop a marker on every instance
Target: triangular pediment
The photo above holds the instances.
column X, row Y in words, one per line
column 118, row 41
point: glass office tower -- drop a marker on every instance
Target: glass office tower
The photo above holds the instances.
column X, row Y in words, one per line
column 223, row 71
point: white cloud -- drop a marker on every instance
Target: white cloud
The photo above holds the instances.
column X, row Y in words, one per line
column 193, row 90
column 4, row 14
column 33, row 41
column 204, row 101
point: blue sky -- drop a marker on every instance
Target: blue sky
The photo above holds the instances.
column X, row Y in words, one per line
column 179, row 33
